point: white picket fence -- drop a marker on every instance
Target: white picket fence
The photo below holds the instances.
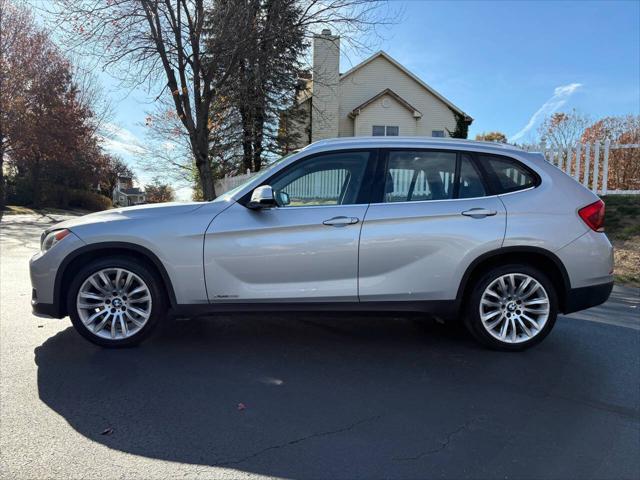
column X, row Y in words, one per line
column 223, row 185
column 589, row 163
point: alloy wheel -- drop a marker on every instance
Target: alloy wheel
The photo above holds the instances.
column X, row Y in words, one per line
column 114, row 303
column 514, row 308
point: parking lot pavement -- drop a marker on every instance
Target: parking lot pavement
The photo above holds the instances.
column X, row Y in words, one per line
column 312, row 396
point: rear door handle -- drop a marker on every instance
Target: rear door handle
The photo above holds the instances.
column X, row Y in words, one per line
column 479, row 213
column 341, row 221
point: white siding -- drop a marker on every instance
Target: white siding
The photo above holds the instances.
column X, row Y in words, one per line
column 380, row 74
column 376, row 114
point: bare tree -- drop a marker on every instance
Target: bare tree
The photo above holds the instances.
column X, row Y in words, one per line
column 167, row 148
column 563, row 130
column 160, row 43
column 157, row 43
column 92, row 95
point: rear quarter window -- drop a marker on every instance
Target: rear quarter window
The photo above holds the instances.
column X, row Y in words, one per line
column 507, row 175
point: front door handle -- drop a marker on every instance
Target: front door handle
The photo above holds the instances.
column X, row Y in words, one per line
column 341, row 221
column 479, row 213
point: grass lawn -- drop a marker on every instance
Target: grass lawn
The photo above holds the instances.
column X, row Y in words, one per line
column 622, row 225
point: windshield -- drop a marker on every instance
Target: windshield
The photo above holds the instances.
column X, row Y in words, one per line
column 261, row 174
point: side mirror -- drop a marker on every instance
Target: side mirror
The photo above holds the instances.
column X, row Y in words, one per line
column 262, row 197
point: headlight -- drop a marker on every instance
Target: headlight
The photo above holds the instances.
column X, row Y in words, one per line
column 52, row 238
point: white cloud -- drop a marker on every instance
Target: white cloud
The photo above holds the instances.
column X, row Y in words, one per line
column 120, row 140
column 560, row 96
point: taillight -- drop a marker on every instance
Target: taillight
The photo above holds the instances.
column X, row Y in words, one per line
column 593, row 215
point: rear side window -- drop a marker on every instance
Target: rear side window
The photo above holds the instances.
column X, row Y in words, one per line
column 507, row 175
column 419, row 175
column 470, row 183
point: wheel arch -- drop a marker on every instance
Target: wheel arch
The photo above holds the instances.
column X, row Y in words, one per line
column 74, row 261
column 537, row 257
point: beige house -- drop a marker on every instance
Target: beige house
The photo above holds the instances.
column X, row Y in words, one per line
column 377, row 97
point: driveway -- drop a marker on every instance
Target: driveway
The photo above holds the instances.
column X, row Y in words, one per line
column 312, row 396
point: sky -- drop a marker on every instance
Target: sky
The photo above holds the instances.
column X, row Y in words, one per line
column 506, row 64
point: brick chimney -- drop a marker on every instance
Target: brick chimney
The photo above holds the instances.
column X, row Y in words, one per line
column 326, row 76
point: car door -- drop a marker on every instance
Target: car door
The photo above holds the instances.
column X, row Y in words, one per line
column 432, row 218
column 306, row 248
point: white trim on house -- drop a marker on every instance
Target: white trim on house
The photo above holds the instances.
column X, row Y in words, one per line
column 387, row 91
column 391, row 60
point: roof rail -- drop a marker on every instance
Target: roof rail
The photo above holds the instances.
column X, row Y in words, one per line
column 414, row 139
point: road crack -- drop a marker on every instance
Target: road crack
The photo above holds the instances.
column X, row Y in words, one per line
column 443, row 445
column 296, row 441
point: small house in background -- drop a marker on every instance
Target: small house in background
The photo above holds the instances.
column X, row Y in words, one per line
column 125, row 194
column 377, row 97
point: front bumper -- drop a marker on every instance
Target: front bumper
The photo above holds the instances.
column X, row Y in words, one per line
column 43, row 269
column 587, row 297
column 47, row 310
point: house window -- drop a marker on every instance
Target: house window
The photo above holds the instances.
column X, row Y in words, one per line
column 388, row 130
column 437, row 133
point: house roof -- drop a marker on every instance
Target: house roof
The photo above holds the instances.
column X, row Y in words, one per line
column 391, row 60
column 387, row 91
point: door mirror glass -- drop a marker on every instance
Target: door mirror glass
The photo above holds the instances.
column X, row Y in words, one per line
column 283, row 199
column 262, row 197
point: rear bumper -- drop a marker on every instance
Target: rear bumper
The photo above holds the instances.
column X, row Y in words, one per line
column 587, row 297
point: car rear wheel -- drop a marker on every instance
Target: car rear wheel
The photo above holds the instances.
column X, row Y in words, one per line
column 512, row 307
column 115, row 302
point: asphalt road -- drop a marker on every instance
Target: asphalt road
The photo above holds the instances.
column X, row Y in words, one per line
column 323, row 397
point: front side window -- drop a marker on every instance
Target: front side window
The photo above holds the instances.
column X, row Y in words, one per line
column 419, row 175
column 507, row 175
column 329, row 179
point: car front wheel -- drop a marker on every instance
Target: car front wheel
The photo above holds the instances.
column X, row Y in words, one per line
column 115, row 302
column 512, row 307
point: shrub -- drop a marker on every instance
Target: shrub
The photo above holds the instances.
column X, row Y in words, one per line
column 19, row 191
column 88, row 200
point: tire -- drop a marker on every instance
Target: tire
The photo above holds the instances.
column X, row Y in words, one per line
column 116, row 321
column 512, row 299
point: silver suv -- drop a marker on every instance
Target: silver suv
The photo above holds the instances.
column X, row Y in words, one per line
column 483, row 232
